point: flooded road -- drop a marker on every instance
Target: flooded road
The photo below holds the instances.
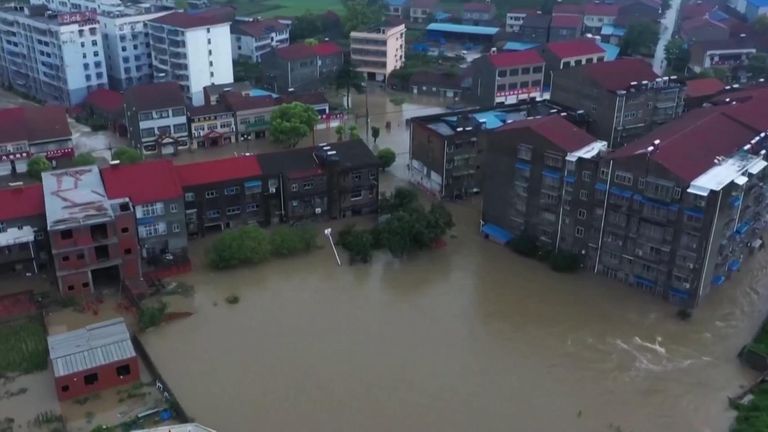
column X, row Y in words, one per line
column 666, row 30
column 469, row 337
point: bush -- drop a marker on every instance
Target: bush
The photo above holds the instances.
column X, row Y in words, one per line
column 387, row 157
column 525, row 244
column 247, row 245
column 401, row 199
column 358, row 243
column 286, row 241
column 37, row 166
column 151, row 315
column 232, row 299
column 84, row 159
column 126, row 155
column 565, row 262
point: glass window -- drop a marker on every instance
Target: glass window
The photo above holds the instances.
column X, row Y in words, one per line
column 525, row 71
column 537, row 69
column 178, row 112
column 623, row 177
column 148, row 133
column 189, row 196
column 180, row 128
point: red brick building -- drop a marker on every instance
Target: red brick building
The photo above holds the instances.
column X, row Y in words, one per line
column 91, row 359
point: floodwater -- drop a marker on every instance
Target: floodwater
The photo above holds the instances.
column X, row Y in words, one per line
column 468, row 337
column 666, row 30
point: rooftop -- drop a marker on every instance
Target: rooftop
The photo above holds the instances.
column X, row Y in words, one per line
column 187, row 427
column 143, row 183
column 27, row 202
column 619, row 74
column 206, row 110
column 518, row 46
column 89, row 347
column 299, row 162
column 185, row 20
column 537, row 21
column 424, row 4
column 105, row 100
column 258, row 28
column 239, row 102
column 557, row 130
column 566, row 21
column 568, row 9
column 350, row 154
column 75, row 196
column 465, row 29
column 478, row 7
column 14, row 236
column 218, row 170
column 509, row 59
column 301, row 50
column 601, row 9
column 703, row 87
column 34, row 124
column 215, row 89
column 449, row 123
column 145, row 97
column 575, row 48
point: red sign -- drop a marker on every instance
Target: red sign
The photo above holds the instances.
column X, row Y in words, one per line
column 60, row 153
column 517, row 92
column 76, row 17
column 14, row 156
column 332, row 116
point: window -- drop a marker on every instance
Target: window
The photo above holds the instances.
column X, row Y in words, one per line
column 579, row 232
column 586, row 176
column 536, row 83
column 537, row 69
column 525, row 71
column 356, row 177
column 144, row 116
column 553, row 160
column 233, row 210
column 65, row 388
column 174, row 208
column 604, row 172
column 149, row 210
column 252, row 207
column 584, row 195
column 94, row 42
column 189, row 196
column 213, row 213
column 65, row 258
column 70, row 287
column 356, row 195
column 178, row 112
column 234, row 190
column 294, row 188
column 127, row 251
column 308, row 185
column 152, row 230
column 514, row 72
column 124, row 230
column 211, row 194
column 677, row 192
column 581, row 214
column 123, row 370
column 623, row 177
column 86, row 284
column 180, row 128
column 164, row 130
column 501, row 87
column 80, row 256
column 577, row 63
column 524, row 84
column 175, row 227
column 66, row 234
column 95, row 53
column 641, row 183
column 148, row 133
column 502, row 73
column 91, row 379
column 161, row 114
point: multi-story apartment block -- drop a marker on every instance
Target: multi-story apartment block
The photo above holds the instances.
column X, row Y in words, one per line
column 54, row 57
column 155, row 194
column 533, row 181
column 445, row 153
column 515, row 18
column 565, row 27
column 254, row 37
column 396, row 8
column 223, row 193
column 212, row 125
column 303, row 67
column 534, row 29
column 624, row 99
column 33, row 131
column 378, row 52
column 156, row 117
column 421, row 10
column 571, row 53
column 23, row 240
column 193, row 50
column 93, row 239
column 506, row 78
column 97, row 6
column 127, row 46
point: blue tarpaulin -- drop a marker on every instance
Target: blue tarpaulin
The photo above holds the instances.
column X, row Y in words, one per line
column 496, row 233
column 718, row 279
column 523, row 165
column 601, row 186
column 518, row 46
column 619, row 191
column 552, row 173
column 743, row 227
column 735, row 201
column 677, row 292
column 734, row 264
column 462, row 29
column 570, row 179
column 644, row 281
column 653, row 202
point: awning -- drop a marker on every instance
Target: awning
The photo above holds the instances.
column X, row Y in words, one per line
column 718, row 280
column 741, row 180
column 496, row 233
column 679, row 293
column 601, row 186
column 757, row 167
column 698, row 190
column 619, row 191
column 252, row 183
column 570, row 179
column 734, row 264
column 552, row 173
column 644, row 281
column 523, row 165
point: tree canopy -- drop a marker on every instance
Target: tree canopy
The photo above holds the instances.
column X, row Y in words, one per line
column 348, row 78
column 126, row 155
column 84, row 159
column 387, row 157
column 640, row 39
column 757, row 66
column 362, row 14
column 677, row 55
column 289, row 123
column 36, row 166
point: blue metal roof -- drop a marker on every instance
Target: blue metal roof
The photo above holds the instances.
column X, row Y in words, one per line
column 467, row 29
column 260, row 92
column 612, row 30
column 440, row 16
column 496, row 232
column 758, row 3
column 611, row 51
column 734, row 264
column 518, row 46
column 718, row 279
column 490, row 118
column 396, row 2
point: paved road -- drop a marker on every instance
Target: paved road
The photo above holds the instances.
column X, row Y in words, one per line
column 665, row 34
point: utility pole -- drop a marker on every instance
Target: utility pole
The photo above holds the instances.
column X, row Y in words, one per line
column 333, row 246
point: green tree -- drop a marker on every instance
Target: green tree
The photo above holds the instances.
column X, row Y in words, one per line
column 286, row 241
column 375, row 133
column 305, row 26
column 247, row 245
column 340, row 130
column 362, row 14
column 289, row 123
column 84, row 159
column 151, row 315
column 386, row 157
column 126, row 155
column 760, row 24
column 665, row 5
column 640, row 39
column 757, row 66
column 243, row 70
column 413, row 228
column 37, row 166
column 719, row 73
column 348, row 78
column 353, row 132
column 753, row 417
column 358, row 243
column 677, row 55
column 401, row 199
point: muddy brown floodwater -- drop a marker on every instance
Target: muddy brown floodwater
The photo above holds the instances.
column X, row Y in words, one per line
column 466, row 338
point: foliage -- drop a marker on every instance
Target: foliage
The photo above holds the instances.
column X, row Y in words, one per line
column 640, row 39
column 37, row 166
column 289, row 123
column 353, row 132
column 760, row 343
column 358, row 243
column 126, row 155
column 348, row 78
column 397, row 100
column 565, row 262
column 84, row 159
column 757, row 66
column 401, row 199
column 340, row 130
column 244, row 70
column 287, row 241
column 665, row 5
column 753, row 417
column 525, row 244
column 362, row 14
column 413, row 228
column 232, row 299
column 24, row 349
column 677, row 55
column 760, row 25
column 310, row 42
column 719, row 73
column 152, row 314
column 314, row 26
column 375, row 133
column 387, row 157
column 246, row 245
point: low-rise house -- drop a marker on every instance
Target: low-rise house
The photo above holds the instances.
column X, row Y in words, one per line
column 731, row 55
column 624, row 99
column 571, row 53
column 156, row 116
column 442, row 84
column 396, row 8
column 251, row 114
column 303, row 67
column 515, row 18
column 612, row 34
column 421, row 10
column 22, row 230
column 223, row 193
column 703, row 29
column 33, row 131
column 596, row 15
column 212, row 93
column 106, row 106
column 478, row 13
column 565, row 27
column 534, row 29
column 637, row 11
column 212, row 125
column 254, row 37
column 506, row 77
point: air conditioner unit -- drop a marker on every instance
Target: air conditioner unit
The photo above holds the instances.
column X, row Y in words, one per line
column 272, row 190
column 318, row 211
column 686, row 285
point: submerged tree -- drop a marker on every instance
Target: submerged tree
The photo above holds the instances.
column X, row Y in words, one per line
column 289, row 123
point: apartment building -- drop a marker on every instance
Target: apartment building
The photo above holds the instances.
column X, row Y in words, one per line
column 596, row 15
column 572, row 53
column 212, row 125
column 33, row 131
column 396, row 8
column 97, row 6
column 420, row 11
column 565, row 27
column 127, row 45
column 534, row 29
column 223, row 193
column 155, row 194
column 23, row 240
column 251, row 114
column 534, row 181
column 93, row 239
column 254, row 37
column 54, row 57
column 506, row 78
column 193, row 50
column 624, row 99
column 378, row 52
column 156, row 117
column 301, row 67
column 515, row 17
column 478, row 13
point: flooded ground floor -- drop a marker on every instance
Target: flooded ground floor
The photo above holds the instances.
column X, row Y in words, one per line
column 468, row 337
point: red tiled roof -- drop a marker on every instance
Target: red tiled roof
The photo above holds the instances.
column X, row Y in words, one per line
column 556, row 130
column 105, row 100
column 570, row 21
column 258, row 28
column 204, row 110
column 144, row 182
column 155, row 96
column 184, row 20
column 34, row 124
column 696, row 8
column 27, row 202
column 218, row 170
column 301, row 50
column 515, row 58
column 618, row 74
column 478, row 7
column 602, row 9
column 424, row 4
column 567, row 9
column 574, row 48
column 692, row 23
column 703, row 87
column 314, row 98
column 239, row 102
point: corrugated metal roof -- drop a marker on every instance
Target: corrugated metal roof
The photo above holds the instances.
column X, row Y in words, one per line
column 89, row 347
column 466, row 29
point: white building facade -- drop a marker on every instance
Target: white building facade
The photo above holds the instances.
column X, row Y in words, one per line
column 377, row 53
column 99, row 6
column 253, row 38
column 53, row 57
column 193, row 50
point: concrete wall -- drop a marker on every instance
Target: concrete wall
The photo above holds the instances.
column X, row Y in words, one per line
column 75, row 386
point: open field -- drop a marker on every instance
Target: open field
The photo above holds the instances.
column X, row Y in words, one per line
column 23, row 347
column 269, row 8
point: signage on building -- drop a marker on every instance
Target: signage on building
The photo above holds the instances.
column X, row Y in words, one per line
column 14, row 156
column 60, row 153
column 332, row 116
column 76, row 17
column 517, row 92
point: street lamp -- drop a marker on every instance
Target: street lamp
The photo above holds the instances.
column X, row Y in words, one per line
column 328, row 232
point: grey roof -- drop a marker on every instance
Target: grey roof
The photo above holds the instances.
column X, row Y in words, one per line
column 75, row 196
column 91, row 346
